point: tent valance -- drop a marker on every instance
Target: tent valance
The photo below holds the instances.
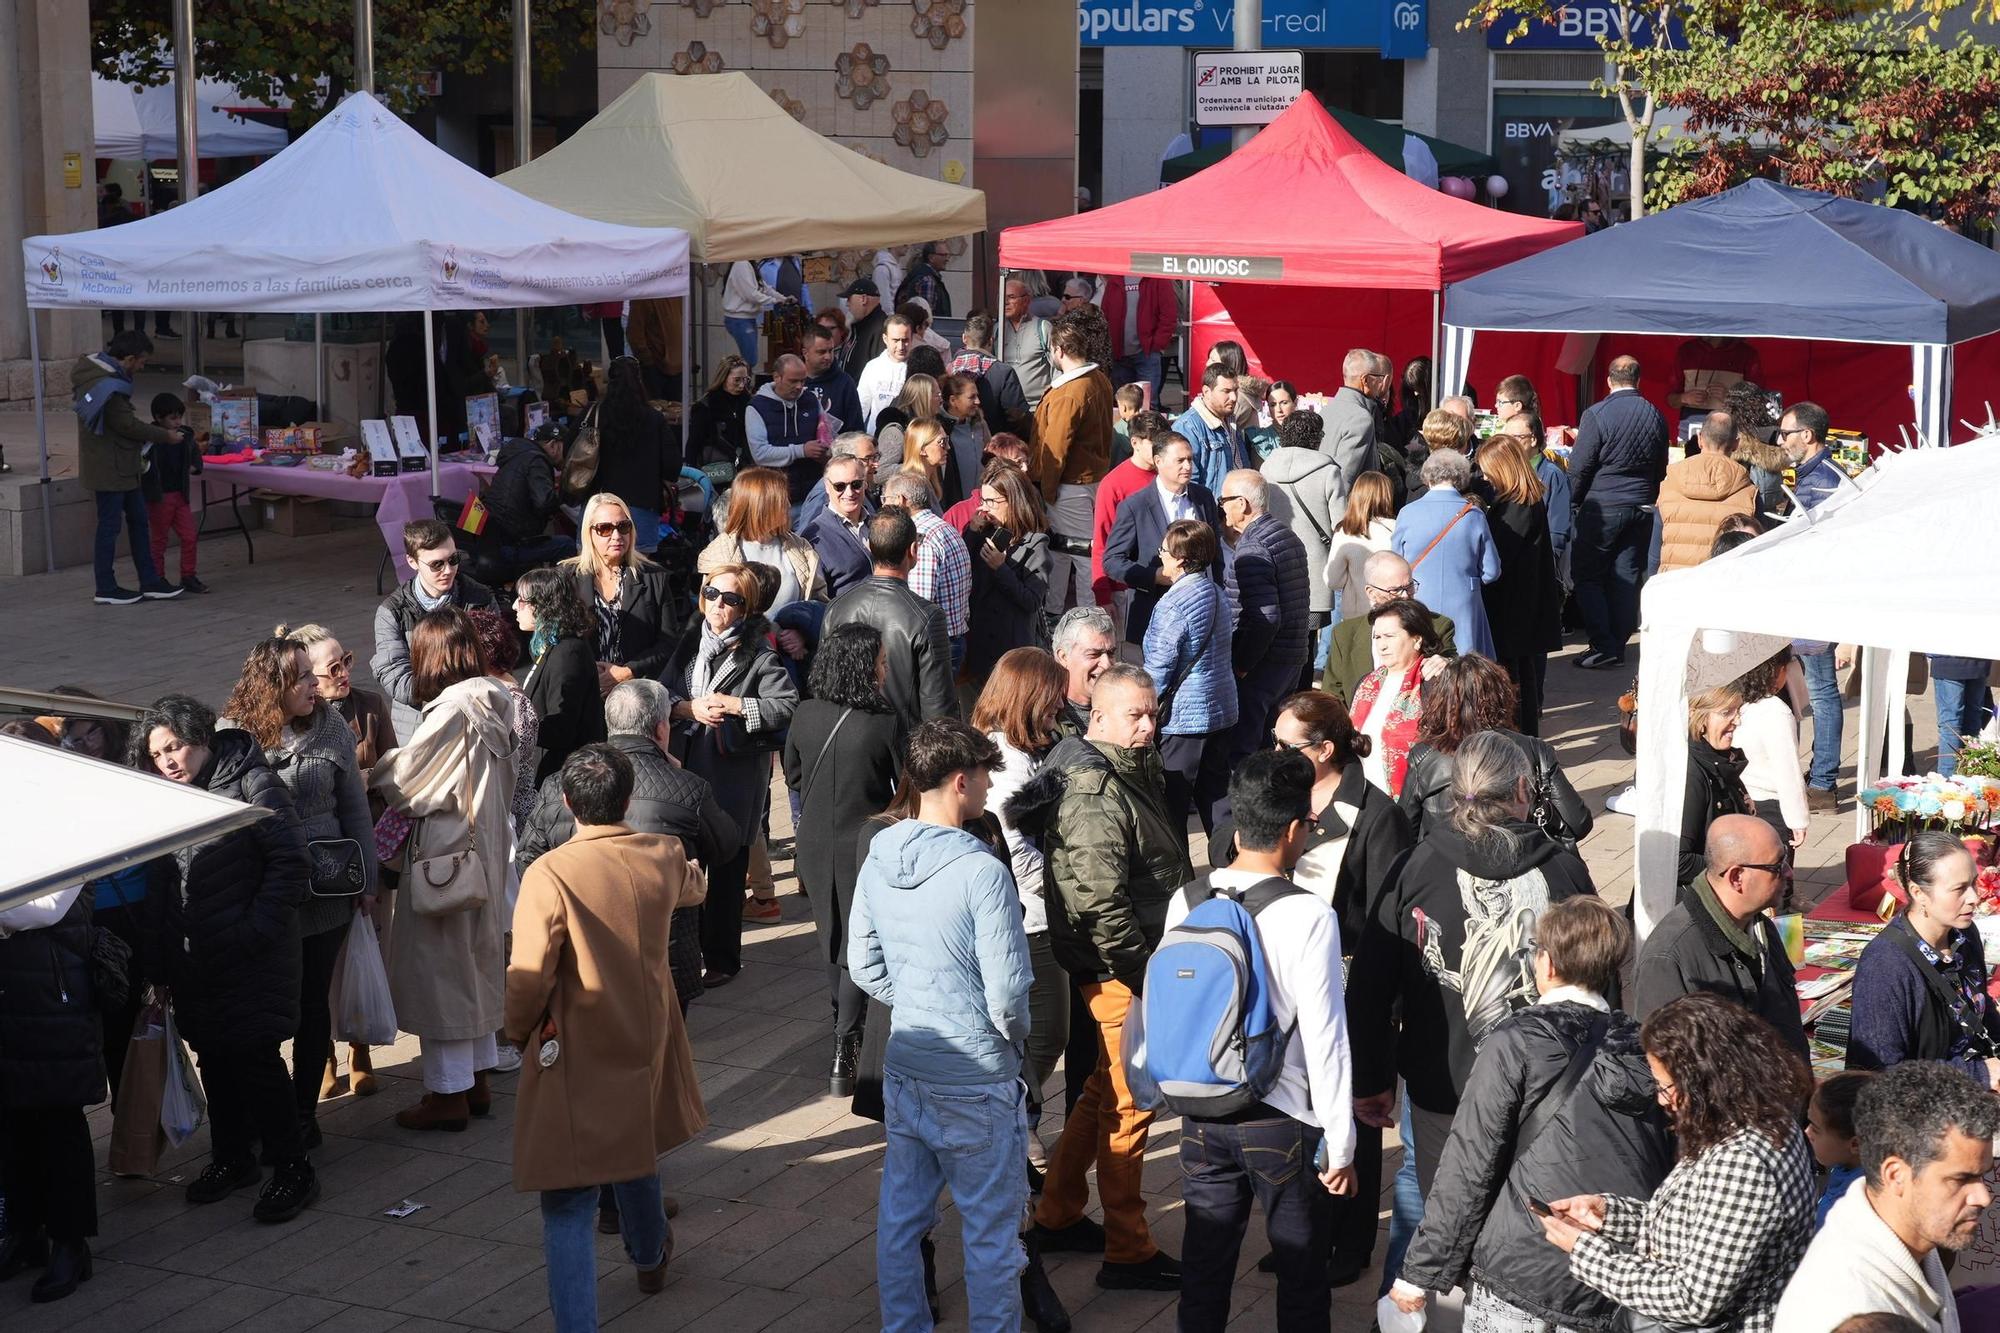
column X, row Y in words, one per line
column 713, row 155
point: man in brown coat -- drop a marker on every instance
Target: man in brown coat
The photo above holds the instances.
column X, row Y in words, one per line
column 1699, row 492
column 1073, row 450
column 608, row 1081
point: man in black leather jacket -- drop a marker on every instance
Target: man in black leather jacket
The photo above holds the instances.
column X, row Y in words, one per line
column 524, row 496
column 914, row 642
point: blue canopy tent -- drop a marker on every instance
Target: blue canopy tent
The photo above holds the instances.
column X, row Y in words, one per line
column 1759, row 260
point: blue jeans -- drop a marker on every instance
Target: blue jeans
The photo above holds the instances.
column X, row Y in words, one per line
column 973, row 1138
column 569, row 1244
column 126, row 508
column 1962, row 708
column 1141, row 366
column 1824, row 690
column 1406, row 1211
column 957, row 653
column 1610, row 552
column 1222, row 1167
column 744, row 330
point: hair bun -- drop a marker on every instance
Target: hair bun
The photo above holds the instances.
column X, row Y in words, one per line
column 1362, row 745
column 280, row 630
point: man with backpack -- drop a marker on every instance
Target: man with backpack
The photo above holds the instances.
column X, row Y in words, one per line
column 1290, row 1101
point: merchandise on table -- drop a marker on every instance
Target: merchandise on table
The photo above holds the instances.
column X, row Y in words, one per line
column 409, row 444
column 380, row 447
column 1961, row 804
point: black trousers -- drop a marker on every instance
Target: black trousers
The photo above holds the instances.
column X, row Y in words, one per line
column 850, row 1002
column 1528, row 672
column 124, row 923
column 1357, row 1217
column 1223, row 1167
column 250, row 1100
column 722, row 915
column 1197, row 772
column 1080, row 1055
column 312, row 1045
column 50, row 1177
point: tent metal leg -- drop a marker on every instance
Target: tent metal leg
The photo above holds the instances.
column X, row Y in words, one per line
column 42, row 437
column 319, row 369
column 431, row 395
column 1000, row 326
column 687, row 375
column 1437, row 348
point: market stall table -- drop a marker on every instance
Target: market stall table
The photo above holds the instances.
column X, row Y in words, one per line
column 397, row 500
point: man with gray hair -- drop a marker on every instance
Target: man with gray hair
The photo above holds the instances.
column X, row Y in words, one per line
column 1926, row 1133
column 838, row 529
column 1351, row 417
column 943, row 572
column 1085, row 643
column 1274, row 592
column 1458, row 405
column 782, row 428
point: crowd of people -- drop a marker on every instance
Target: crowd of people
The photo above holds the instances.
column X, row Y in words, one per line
column 997, row 671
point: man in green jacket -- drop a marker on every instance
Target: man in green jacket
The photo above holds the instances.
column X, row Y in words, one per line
column 113, row 447
column 1113, row 860
column 1348, row 655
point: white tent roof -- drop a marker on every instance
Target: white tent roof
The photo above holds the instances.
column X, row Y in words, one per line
column 136, row 123
column 361, row 214
column 1668, row 124
column 713, row 154
column 71, row 818
column 1892, row 565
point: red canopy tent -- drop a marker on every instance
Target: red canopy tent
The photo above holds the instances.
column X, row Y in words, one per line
column 1303, row 204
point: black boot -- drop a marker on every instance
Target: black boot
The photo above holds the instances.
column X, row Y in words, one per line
column 69, row 1265
column 929, row 1248
column 846, row 1055
column 1039, row 1301
column 20, row 1252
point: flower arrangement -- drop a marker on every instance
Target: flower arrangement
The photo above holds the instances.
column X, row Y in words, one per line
column 1961, row 804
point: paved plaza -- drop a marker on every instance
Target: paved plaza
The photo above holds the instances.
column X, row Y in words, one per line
column 777, row 1196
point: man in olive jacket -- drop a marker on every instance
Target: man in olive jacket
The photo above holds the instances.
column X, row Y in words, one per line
column 113, row 443
column 1113, row 861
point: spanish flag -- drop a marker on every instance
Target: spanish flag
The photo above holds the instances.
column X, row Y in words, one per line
column 472, row 516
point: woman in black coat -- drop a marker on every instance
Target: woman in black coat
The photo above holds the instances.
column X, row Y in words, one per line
column 51, row 1068
column 229, row 940
column 562, row 683
column 1008, row 539
column 1523, row 605
column 634, row 613
column 638, row 453
column 716, row 437
column 840, row 757
column 1714, row 775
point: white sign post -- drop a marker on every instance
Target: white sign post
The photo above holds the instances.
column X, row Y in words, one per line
column 1246, row 87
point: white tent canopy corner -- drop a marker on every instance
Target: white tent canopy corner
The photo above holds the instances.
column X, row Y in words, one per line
column 1857, row 570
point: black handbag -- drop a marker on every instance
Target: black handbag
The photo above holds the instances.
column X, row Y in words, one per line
column 338, row 870
column 110, row 970
column 734, row 737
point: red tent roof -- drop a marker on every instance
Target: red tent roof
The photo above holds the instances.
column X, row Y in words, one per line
column 1302, row 204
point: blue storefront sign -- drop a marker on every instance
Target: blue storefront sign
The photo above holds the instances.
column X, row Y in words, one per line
column 1398, row 29
column 1578, row 26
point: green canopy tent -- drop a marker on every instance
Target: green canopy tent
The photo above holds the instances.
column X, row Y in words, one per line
column 1377, row 136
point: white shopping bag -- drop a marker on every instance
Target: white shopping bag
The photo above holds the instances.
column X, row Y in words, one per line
column 183, row 1108
column 363, row 1012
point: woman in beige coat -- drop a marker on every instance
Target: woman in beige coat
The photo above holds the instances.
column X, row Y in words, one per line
column 456, row 777
column 608, row 1081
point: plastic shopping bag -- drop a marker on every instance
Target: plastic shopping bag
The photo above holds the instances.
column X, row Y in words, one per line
column 136, row 1134
column 363, row 1011
column 183, row 1108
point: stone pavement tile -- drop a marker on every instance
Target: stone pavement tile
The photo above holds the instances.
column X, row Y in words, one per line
column 742, row 1242
column 743, row 1170
column 822, row 1314
column 381, row 1175
column 715, row 1031
column 431, row 1257
column 743, row 1100
column 469, row 1188
column 222, row 1248
column 487, row 1214
column 814, row 1171
column 713, row 1148
column 424, row 1324
column 685, row 1303
column 773, row 1051
column 158, row 1296
column 1119, row 1311
column 754, row 1309
column 849, row 1275
column 295, row 1314
column 522, row 1298
column 283, row 1251
column 788, row 1106
column 720, row 1082
column 820, row 1241
column 346, row 1273
column 853, row 1198
column 493, row 1267
column 110, row 1285
column 360, row 1319
column 224, row 1309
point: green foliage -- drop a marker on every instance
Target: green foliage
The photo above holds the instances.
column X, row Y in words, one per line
column 283, row 48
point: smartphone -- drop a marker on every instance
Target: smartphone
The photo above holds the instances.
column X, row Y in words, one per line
column 1538, row 1208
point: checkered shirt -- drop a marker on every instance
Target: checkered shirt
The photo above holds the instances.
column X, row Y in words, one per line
column 943, row 572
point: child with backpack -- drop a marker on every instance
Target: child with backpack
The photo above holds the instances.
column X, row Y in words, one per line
column 166, row 487
column 1242, row 1030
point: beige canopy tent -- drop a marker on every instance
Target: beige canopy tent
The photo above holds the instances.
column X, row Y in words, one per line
column 713, row 155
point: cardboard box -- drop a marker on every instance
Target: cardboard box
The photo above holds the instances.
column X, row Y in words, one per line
column 381, row 448
column 294, row 515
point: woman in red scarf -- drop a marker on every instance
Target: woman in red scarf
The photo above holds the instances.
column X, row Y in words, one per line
column 1388, row 704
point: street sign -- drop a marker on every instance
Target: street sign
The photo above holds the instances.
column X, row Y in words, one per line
column 1246, row 87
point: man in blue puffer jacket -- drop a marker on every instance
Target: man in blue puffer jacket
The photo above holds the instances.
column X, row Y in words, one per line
column 936, row 934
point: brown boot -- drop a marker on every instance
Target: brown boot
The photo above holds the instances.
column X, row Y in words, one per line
column 480, row 1100
column 654, row 1279
column 329, row 1079
column 446, row 1111
column 361, row 1072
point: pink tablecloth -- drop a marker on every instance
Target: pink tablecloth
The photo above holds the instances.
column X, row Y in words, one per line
column 397, row 500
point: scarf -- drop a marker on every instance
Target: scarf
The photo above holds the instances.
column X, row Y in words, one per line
column 713, row 646
column 1400, row 731
column 424, row 599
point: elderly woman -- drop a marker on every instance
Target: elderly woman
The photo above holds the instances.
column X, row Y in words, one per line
column 1444, row 536
column 227, row 947
column 1187, row 652
column 1009, row 542
column 1714, row 774
column 311, row 750
column 627, row 594
column 1717, row 1242
column 758, row 529
column 447, row 946
column 733, row 700
column 840, row 757
column 562, row 679
column 1388, row 702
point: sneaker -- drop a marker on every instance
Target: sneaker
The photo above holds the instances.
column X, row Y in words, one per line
column 763, row 909
column 189, row 583
column 159, row 590
column 1596, row 661
column 1162, row 1272
column 1082, row 1236
column 219, row 1179
column 293, row 1188
column 509, row 1061
column 1624, row 801
column 119, row 597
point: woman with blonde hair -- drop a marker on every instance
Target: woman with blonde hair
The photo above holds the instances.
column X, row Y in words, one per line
column 1523, row 605
column 1366, row 527
column 927, row 452
column 628, row 595
column 922, row 399
column 1008, row 539
column 1714, row 774
column 716, row 437
column 758, row 529
column 1446, row 430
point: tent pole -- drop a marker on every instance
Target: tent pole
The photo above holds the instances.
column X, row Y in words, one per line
column 687, row 369
column 1000, row 327
column 523, row 150
column 319, row 372
column 431, row 395
column 42, row 435
column 184, row 108
column 1437, row 346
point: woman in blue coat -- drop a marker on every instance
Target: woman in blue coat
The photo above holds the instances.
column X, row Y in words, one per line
column 1187, row 655
column 1444, row 536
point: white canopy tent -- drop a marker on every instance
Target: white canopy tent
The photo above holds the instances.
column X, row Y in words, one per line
column 1872, row 567
column 137, row 123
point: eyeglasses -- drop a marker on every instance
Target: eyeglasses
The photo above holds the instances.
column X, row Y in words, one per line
column 1515, row 401
column 1778, row 868
column 1297, row 747
column 452, row 561
column 1400, row 590
column 842, row 487
column 735, row 601
column 1223, row 500
column 340, row 666
column 623, row 529
column 1783, row 431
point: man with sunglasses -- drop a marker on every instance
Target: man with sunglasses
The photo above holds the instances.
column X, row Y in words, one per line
column 1387, row 577
column 434, row 557
column 1718, row 937
column 838, row 529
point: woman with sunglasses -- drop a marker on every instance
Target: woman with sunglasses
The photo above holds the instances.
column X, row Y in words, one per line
column 758, row 530
column 638, row 453
column 1714, row 775
column 733, row 700
column 562, row 683
column 716, row 442
column 629, row 597
column 1009, row 541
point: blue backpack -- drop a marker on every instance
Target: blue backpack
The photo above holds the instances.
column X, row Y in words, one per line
column 1202, row 1039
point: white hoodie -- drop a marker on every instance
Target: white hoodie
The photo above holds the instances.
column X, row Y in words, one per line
column 1857, row 1265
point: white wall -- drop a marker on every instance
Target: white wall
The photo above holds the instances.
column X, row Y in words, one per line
column 1145, row 106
